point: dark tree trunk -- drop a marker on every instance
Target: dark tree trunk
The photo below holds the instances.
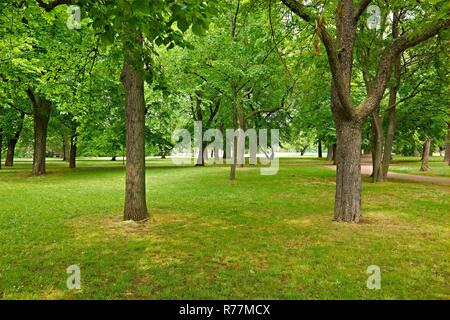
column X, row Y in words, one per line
column 41, row 114
column 348, row 175
column 426, row 155
column 447, row 147
column 377, row 147
column 334, row 153
column 303, row 151
column 73, row 152
column 202, row 155
column 320, row 150
column 9, row 162
column 13, row 142
column 135, row 198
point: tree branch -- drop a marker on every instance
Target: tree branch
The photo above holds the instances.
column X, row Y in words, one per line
column 52, row 5
column 399, row 45
column 299, row 9
column 361, row 8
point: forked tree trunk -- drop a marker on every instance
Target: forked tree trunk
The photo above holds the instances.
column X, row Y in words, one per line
column 447, row 147
column 426, row 155
column 13, row 142
column 348, row 175
column 135, row 199
column 41, row 116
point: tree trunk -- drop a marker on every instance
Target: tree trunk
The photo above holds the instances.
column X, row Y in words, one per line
column 447, row 147
column 9, row 162
column 330, row 152
column 426, row 155
column 234, row 107
column 334, row 153
column 73, row 152
column 41, row 116
column 135, row 198
column 13, row 142
column 202, row 155
column 348, row 175
column 303, row 150
column 377, row 147
column 66, row 147
column 320, row 151
column 241, row 137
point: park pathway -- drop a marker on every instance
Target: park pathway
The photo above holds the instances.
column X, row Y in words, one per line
column 366, row 169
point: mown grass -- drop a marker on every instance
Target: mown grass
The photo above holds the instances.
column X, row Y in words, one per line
column 261, row 237
column 438, row 168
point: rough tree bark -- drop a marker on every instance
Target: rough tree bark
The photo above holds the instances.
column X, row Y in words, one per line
column 426, row 155
column 12, row 142
column 348, row 175
column 41, row 115
column 135, row 198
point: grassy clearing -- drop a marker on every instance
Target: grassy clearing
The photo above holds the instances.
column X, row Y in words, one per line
column 438, row 168
column 261, row 237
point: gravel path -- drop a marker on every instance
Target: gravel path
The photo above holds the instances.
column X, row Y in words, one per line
column 367, row 170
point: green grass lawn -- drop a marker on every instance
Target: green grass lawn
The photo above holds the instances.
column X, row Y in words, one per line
column 438, row 168
column 261, row 237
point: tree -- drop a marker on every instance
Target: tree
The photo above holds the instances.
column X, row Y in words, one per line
column 137, row 27
column 348, row 118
